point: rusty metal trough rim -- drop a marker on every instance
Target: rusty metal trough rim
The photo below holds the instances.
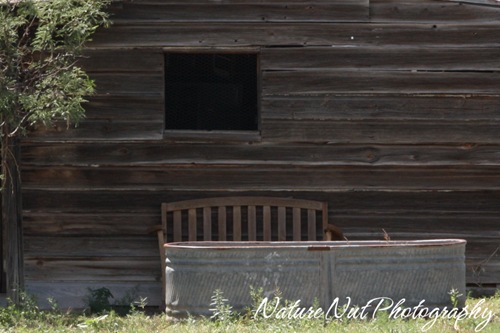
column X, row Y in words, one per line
column 311, row 245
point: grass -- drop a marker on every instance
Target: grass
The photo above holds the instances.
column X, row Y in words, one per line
column 28, row 318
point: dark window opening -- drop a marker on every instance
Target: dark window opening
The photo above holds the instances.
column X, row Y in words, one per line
column 211, row 92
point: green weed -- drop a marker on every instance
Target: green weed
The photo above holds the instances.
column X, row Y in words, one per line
column 27, row 318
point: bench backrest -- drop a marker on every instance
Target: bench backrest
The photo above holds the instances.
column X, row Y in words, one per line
column 244, row 218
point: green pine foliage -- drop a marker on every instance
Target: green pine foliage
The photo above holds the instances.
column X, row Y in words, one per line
column 40, row 41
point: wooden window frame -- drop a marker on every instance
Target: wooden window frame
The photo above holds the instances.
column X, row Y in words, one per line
column 218, row 135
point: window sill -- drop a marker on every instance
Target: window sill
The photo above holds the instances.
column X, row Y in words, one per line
column 211, row 136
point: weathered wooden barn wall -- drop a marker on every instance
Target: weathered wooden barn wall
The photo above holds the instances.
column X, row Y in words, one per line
column 389, row 110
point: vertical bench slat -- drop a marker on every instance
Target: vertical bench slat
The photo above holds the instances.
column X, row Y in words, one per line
column 311, row 224
column 281, row 223
column 236, row 223
column 164, row 220
column 324, row 219
column 207, row 223
column 266, row 212
column 296, row 224
column 192, row 224
column 222, row 223
column 177, row 226
column 252, row 223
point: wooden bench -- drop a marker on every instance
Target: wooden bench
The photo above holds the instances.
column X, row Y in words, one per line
column 244, row 219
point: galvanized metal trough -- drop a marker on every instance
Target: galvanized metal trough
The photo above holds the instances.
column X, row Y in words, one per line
column 413, row 271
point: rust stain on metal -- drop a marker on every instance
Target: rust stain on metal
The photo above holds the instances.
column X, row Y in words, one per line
column 318, row 248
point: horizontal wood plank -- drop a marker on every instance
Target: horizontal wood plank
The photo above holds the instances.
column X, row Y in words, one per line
column 129, row 84
column 432, row 11
column 91, row 269
column 407, row 108
column 310, row 82
column 431, row 223
column 127, row 201
column 122, row 60
column 413, row 58
column 271, row 178
column 271, row 11
column 381, row 132
column 284, row 34
column 125, row 108
column 105, row 247
column 161, row 154
column 96, row 130
column 84, row 225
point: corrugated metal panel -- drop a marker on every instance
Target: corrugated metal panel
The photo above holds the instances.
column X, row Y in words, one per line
column 305, row 271
column 414, row 273
column 193, row 274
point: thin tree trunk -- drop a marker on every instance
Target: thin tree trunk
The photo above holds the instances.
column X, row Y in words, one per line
column 3, row 282
column 12, row 236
